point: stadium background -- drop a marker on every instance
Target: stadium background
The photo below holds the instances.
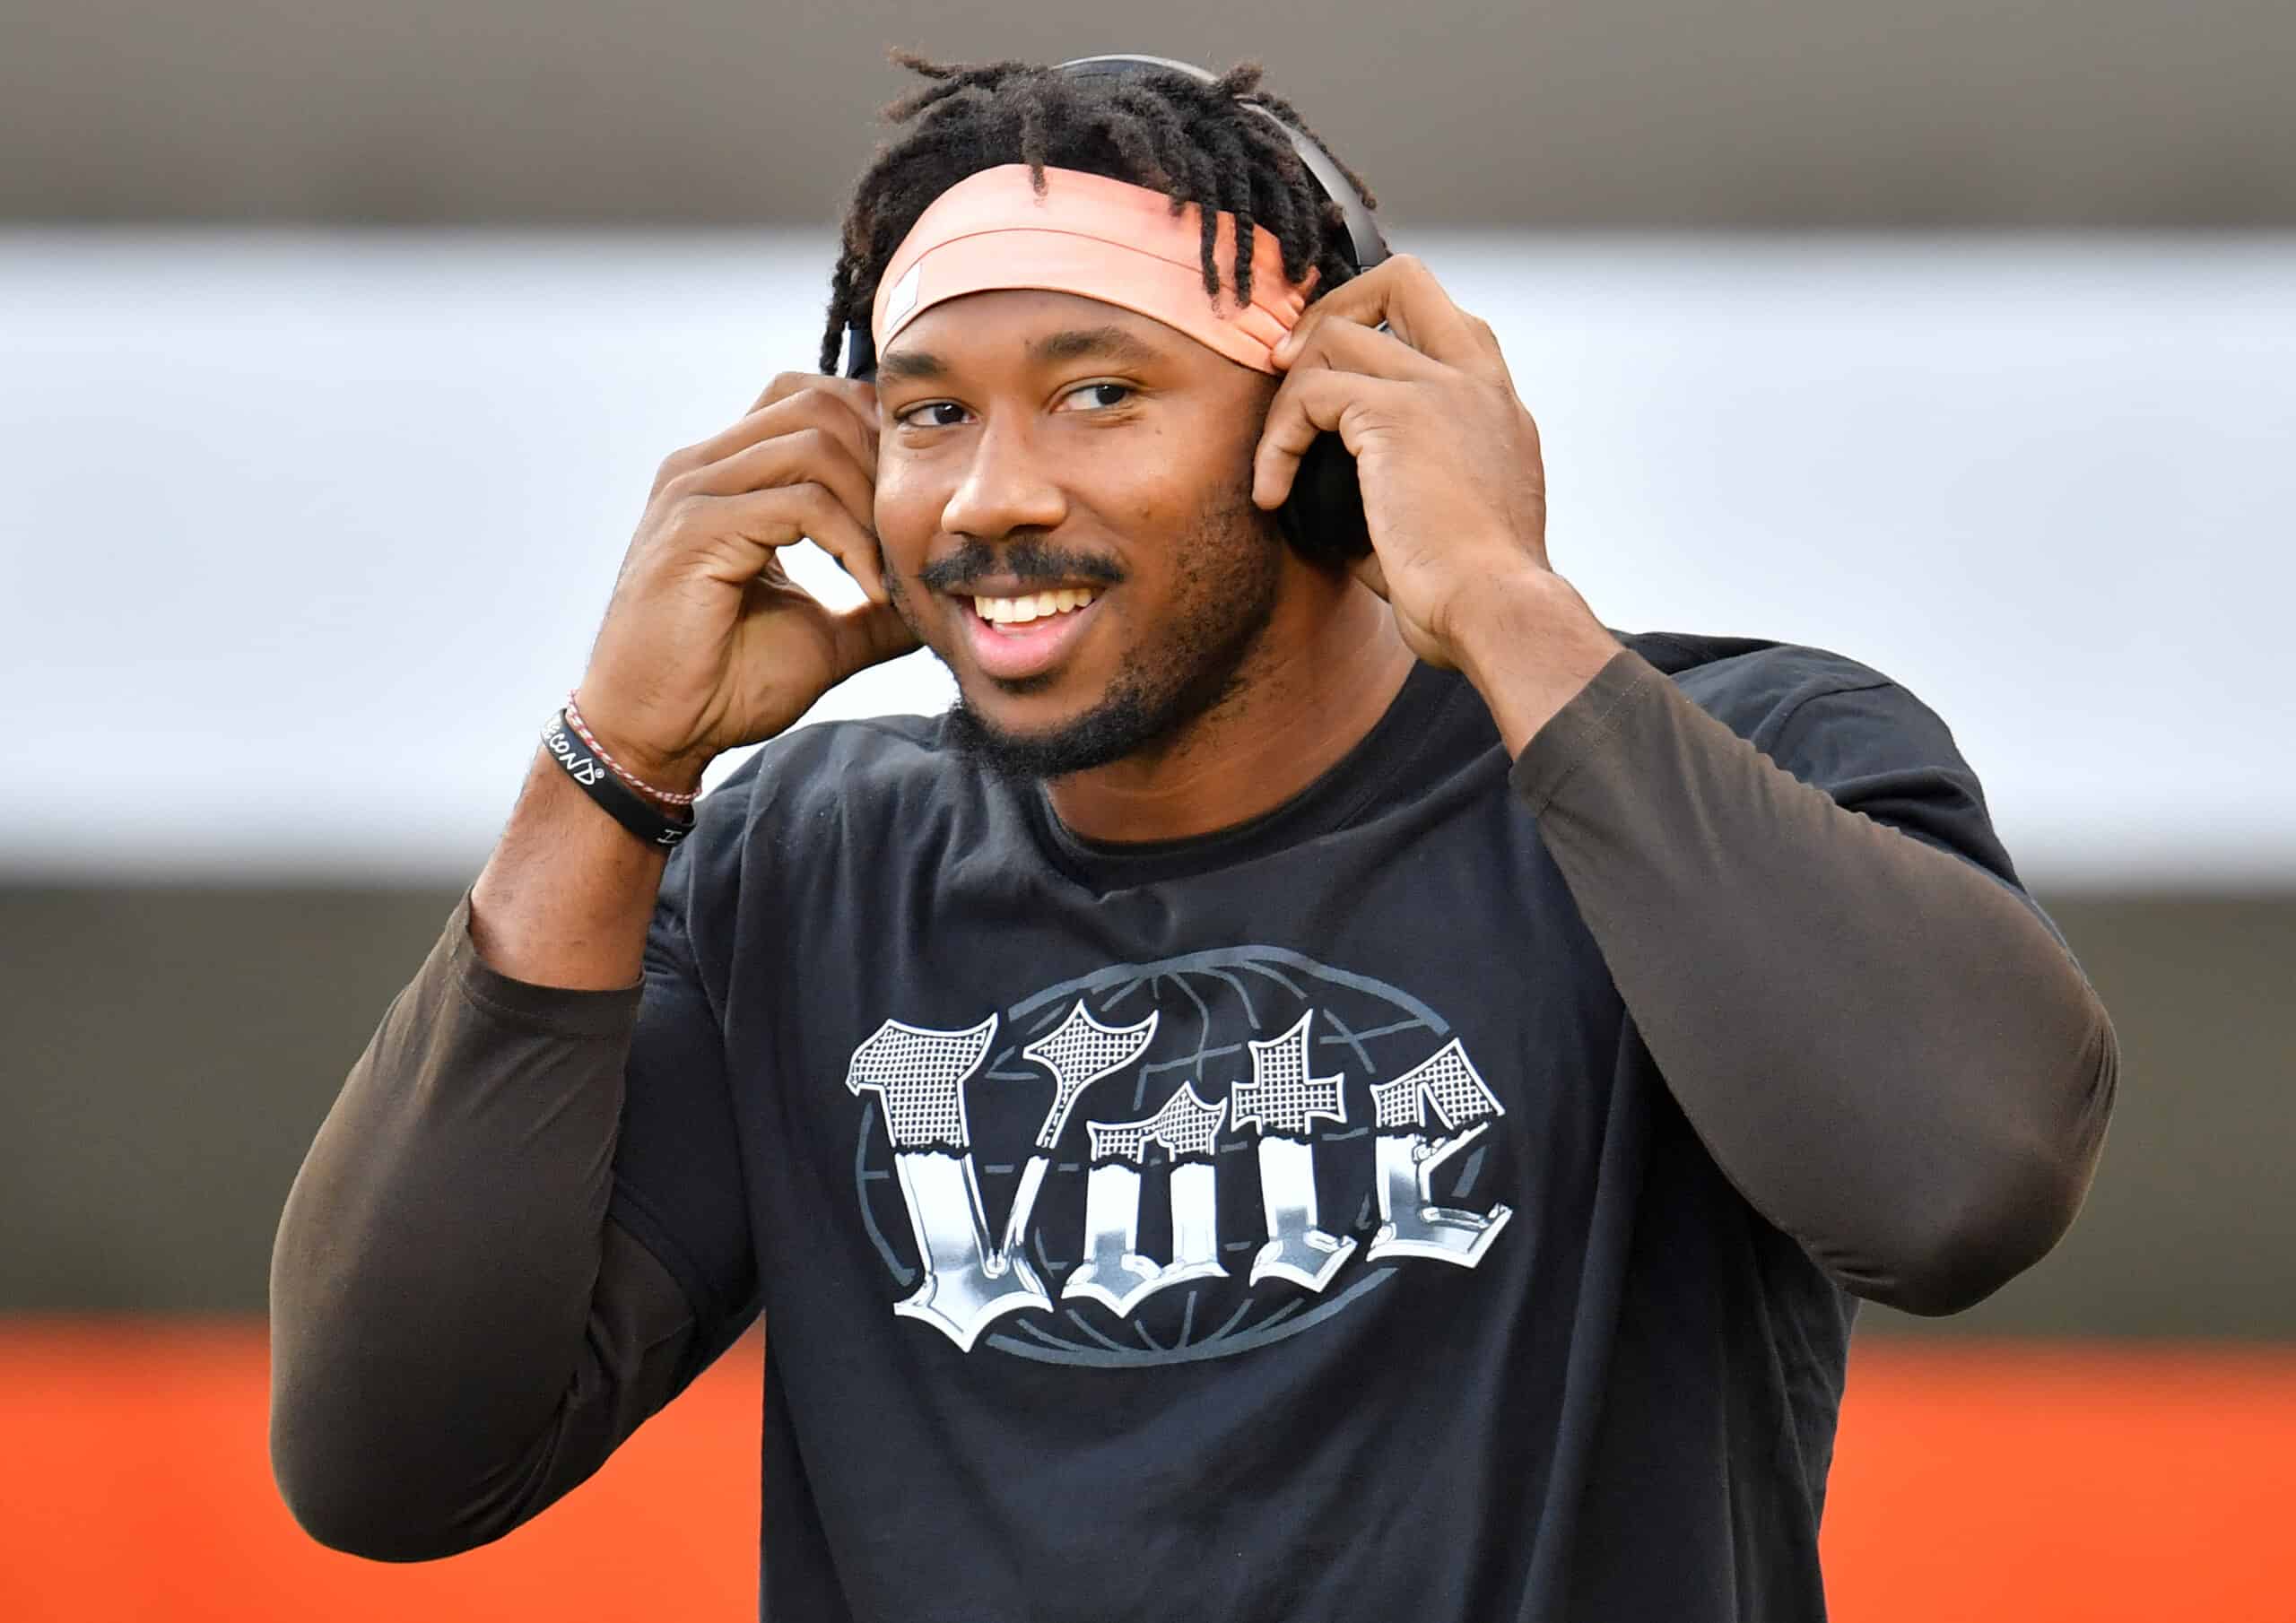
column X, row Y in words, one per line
column 339, row 344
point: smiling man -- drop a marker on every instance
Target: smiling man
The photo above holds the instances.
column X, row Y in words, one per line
column 1153, row 465
column 1181, row 627
column 1324, row 1088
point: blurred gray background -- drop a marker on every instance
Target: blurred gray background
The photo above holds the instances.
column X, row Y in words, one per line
column 339, row 344
column 1789, row 114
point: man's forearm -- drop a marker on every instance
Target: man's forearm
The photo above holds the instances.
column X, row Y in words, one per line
column 1530, row 644
column 458, row 1335
column 565, row 897
column 1883, row 1047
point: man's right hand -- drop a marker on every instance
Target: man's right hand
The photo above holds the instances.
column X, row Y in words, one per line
column 708, row 644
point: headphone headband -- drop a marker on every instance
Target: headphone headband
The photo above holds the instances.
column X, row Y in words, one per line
column 1367, row 248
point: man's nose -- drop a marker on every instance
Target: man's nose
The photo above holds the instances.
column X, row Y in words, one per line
column 1005, row 487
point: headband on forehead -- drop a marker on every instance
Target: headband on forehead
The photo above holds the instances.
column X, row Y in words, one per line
column 1103, row 238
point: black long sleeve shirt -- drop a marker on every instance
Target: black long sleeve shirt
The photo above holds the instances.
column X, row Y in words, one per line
column 1446, row 1195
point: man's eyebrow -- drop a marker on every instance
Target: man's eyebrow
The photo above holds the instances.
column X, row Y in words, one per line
column 1107, row 344
column 1073, row 343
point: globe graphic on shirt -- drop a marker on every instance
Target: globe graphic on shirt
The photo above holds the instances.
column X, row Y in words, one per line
column 1172, row 1161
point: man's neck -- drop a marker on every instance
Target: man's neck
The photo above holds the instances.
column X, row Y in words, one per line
column 1329, row 665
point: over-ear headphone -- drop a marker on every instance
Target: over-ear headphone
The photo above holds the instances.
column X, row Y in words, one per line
column 1323, row 517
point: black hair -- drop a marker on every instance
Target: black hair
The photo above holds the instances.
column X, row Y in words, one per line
column 1164, row 130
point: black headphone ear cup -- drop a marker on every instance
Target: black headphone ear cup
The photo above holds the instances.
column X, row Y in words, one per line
column 1323, row 515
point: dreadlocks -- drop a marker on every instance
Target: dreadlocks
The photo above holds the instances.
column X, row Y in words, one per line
column 1163, row 130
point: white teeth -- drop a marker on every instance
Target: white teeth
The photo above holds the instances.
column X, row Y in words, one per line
column 1022, row 611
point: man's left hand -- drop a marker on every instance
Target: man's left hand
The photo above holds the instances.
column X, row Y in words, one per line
column 1454, row 486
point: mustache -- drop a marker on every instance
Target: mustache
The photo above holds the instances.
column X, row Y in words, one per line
column 1031, row 561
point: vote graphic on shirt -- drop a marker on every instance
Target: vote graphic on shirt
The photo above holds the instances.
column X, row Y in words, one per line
column 1182, row 1159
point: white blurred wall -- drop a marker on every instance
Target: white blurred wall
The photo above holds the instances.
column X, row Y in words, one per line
column 303, row 535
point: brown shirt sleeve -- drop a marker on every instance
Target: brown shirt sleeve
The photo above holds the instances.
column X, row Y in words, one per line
column 1883, row 1046
column 459, row 1333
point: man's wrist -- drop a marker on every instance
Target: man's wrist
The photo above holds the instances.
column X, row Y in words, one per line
column 1529, row 644
column 660, row 825
column 565, row 899
column 671, row 780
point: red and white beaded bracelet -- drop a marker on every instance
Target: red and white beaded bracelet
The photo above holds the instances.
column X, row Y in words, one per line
column 668, row 797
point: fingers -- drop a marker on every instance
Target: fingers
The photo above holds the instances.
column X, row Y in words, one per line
column 1343, row 373
column 857, row 392
column 782, row 514
column 1310, row 403
column 815, row 454
column 845, row 407
column 1346, row 347
column 822, row 517
column 1403, row 293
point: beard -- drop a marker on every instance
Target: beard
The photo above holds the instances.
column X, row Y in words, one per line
column 1228, row 566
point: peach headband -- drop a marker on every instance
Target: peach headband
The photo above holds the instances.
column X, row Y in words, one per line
column 1106, row 239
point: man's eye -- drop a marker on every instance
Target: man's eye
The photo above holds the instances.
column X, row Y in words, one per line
column 918, row 416
column 1121, row 388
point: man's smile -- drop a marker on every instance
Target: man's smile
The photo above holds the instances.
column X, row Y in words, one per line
column 1018, row 635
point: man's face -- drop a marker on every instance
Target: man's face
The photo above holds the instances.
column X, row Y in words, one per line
column 1033, row 442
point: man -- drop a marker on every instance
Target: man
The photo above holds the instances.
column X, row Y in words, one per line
column 1317, row 1091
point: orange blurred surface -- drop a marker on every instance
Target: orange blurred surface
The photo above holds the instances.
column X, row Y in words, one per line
column 2065, row 1483
column 2031, row 1482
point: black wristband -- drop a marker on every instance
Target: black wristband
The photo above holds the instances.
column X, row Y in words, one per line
column 624, row 804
